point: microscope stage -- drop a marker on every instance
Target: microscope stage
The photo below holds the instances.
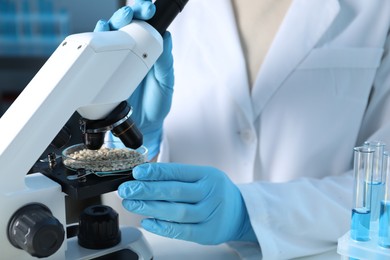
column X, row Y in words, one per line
column 84, row 188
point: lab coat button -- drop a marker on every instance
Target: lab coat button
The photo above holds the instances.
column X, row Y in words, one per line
column 247, row 136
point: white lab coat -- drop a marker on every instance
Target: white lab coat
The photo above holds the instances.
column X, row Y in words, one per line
column 323, row 89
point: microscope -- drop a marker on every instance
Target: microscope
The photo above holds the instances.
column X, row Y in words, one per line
column 91, row 74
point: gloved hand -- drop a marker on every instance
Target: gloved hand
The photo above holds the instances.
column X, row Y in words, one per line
column 193, row 203
column 152, row 99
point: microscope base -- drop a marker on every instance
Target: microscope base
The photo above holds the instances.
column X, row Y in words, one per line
column 132, row 246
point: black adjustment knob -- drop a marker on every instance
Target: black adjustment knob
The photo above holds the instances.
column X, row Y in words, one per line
column 34, row 229
column 99, row 227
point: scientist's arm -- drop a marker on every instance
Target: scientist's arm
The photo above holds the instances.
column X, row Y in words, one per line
column 152, row 100
column 193, row 203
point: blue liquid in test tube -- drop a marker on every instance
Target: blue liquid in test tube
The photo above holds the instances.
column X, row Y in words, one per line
column 384, row 225
column 375, row 189
column 361, row 211
column 360, row 224
column 376, row 183
column 384, row 218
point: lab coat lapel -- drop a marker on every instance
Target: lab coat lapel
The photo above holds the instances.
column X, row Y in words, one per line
column 304, row 24
column 227, row 58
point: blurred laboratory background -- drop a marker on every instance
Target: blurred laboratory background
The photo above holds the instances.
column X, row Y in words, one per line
column 30, row 30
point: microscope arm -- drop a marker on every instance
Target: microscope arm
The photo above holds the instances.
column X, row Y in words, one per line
column 90, row 73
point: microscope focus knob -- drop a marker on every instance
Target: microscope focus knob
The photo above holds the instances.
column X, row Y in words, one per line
column 99, row 227
column 34, row 229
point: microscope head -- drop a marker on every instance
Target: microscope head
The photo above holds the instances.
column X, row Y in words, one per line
column 118, row 122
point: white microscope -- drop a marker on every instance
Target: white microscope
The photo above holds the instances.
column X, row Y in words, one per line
column 91, row 73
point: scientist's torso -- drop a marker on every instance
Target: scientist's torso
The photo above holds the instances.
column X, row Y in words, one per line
column 303, row 113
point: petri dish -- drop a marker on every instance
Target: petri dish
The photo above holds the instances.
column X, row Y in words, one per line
column 112, row 157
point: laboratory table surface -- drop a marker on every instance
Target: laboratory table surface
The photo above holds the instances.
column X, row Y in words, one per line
column 173, row 249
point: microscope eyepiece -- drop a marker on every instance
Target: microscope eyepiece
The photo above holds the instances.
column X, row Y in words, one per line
column 166, row 11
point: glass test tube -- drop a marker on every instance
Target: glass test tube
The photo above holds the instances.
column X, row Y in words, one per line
column 384, row 218
column 376, row 186
column 360, row 221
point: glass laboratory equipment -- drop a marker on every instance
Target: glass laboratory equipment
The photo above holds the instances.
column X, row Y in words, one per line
column 364, row 241
column 376, row 185
column 361, row 211
column 384, row 218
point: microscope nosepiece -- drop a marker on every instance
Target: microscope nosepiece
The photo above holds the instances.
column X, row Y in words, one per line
column 119, row 122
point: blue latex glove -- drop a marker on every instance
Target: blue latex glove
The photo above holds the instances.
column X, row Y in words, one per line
column 193, row 203
column 152, row 99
